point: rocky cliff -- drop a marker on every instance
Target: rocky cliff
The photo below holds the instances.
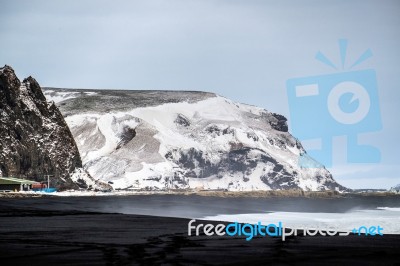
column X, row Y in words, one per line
column 34, row 137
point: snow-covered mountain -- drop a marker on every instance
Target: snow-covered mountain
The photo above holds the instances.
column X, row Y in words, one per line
column 395, row 189
column 178, row 139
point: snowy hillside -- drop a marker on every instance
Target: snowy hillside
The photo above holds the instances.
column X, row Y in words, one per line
column 395, row 189
column 159, row 140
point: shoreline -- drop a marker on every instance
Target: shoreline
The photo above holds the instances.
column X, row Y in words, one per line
column 40, row 237
column 219, row 194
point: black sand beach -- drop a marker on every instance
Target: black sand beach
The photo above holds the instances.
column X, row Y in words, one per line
column 46, row 236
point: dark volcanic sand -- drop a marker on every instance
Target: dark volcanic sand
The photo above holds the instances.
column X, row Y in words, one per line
column 74, row 237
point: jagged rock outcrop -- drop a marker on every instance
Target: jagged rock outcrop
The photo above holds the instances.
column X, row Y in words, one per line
column 34, row 137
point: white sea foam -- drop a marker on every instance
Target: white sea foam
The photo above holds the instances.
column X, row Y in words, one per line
column 387, row 218
column 389, row 209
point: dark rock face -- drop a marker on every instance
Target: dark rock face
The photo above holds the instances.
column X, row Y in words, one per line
column 182, row 120
column 34, row 137
column 243, row 160
column 277, row 121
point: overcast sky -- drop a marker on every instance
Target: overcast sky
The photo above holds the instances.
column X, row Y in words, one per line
column 242, row 49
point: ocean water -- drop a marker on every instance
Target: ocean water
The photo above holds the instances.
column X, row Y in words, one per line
column 344, row 213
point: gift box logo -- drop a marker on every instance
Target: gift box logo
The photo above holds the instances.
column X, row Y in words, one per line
column 339, row 104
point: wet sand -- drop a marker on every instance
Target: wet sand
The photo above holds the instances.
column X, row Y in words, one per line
column 69, row 237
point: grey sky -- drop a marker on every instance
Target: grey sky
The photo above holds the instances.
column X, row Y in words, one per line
column 242, row 49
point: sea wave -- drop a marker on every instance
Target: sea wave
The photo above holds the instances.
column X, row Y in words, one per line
column 389, row 209
column 385, row 217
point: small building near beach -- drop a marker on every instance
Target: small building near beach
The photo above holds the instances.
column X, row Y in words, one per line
column 9, row 184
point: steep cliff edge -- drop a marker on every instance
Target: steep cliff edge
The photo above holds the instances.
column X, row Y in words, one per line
column 34, row 137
